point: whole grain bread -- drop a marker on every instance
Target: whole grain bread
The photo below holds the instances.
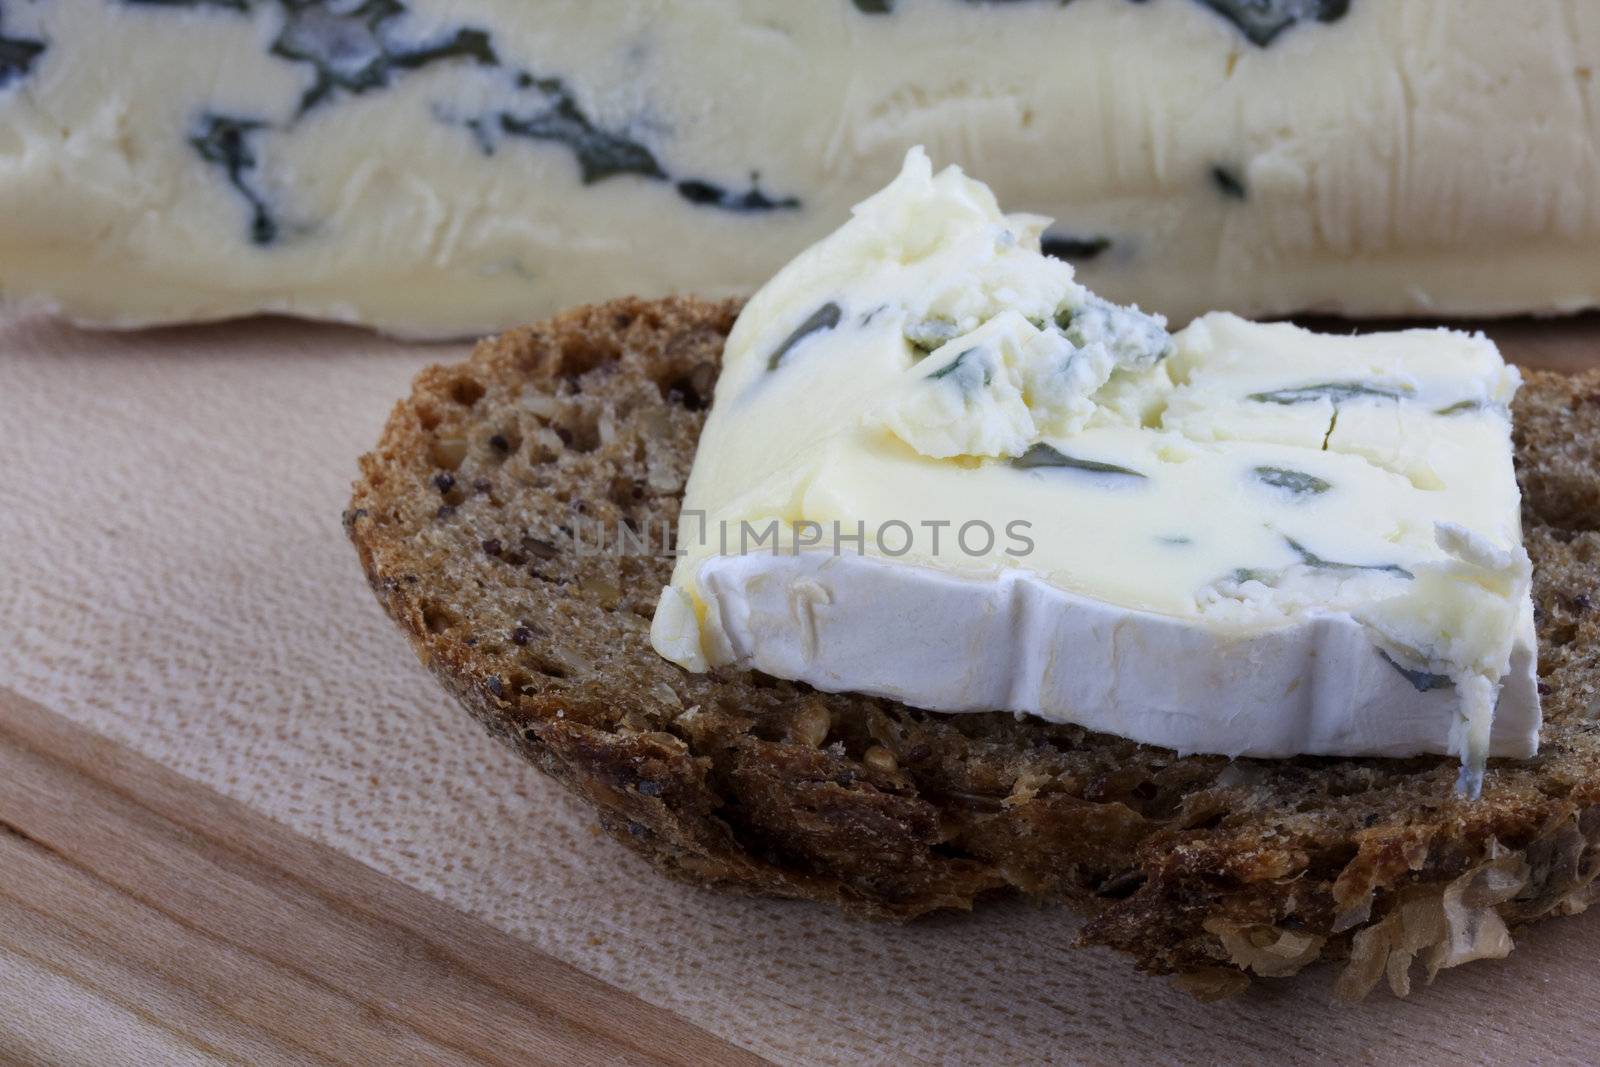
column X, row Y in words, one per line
column 467, row 518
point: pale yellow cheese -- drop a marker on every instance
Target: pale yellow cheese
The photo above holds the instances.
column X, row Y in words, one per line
column 1242, row 477
column 471, row 165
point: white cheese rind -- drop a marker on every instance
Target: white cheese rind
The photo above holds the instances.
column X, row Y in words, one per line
column 1317, row 685
column 1427, row 157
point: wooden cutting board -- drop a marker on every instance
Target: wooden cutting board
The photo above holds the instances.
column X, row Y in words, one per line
column 239, row 824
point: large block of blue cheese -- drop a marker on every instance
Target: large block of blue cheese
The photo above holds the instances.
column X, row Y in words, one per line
column 939, row 469
column 436, row 167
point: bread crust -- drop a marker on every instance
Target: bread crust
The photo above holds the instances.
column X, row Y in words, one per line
column 469, row 519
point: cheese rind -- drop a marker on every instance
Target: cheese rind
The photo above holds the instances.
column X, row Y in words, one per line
column 1326, row 528
column 1314, row 686
column 440, row 168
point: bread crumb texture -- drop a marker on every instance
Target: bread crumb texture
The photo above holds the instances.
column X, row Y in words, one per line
column 468, row 518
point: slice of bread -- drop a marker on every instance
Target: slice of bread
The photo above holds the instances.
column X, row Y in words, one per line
column 465, row 520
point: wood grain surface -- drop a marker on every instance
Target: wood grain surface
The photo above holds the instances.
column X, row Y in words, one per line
column 212, row 934
column 251, row 829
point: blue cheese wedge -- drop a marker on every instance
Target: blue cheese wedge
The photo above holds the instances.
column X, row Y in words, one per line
column 939, row 469
column 448, row 167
